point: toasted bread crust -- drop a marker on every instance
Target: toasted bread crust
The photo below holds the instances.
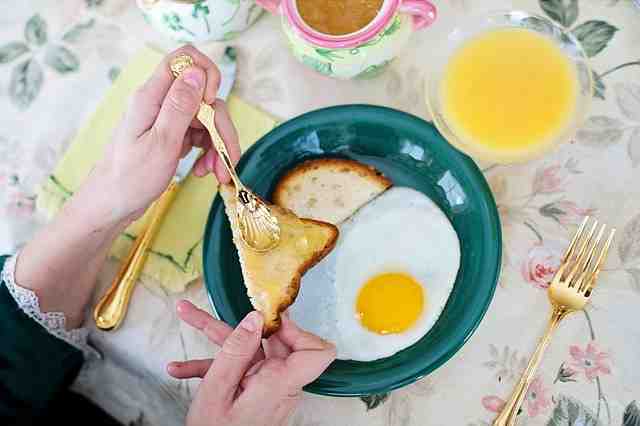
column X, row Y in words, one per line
column 294, row 286
column 341, row 164
column 272, row 320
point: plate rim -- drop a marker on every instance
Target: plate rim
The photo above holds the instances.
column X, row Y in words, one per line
column 301, row 121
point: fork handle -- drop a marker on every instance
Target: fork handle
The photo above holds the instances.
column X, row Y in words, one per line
column 508, row 415
column 207, row 116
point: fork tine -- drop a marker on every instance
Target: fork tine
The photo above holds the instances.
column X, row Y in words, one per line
column 576, row 237
column 584, row 244
column 588, row 262
column 598, row 265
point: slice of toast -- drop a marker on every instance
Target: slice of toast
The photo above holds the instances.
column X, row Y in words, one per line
column 273, row 278
column 329, row 189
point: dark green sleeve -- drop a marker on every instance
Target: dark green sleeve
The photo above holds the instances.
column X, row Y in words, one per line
column 35, row 366
column 36, row 370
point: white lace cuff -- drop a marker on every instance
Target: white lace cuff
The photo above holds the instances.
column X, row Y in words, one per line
column 53, row 322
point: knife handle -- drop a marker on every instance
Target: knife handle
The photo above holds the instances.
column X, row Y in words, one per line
column 112, row 307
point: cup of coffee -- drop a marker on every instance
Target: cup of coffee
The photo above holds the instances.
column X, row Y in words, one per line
column 194, row 21
column 349, row 38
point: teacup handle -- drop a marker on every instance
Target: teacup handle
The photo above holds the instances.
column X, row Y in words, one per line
column 272, row 6
column 422, row 11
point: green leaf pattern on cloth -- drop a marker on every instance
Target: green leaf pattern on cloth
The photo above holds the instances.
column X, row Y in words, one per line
column 601, row 131
column 11, row 51
column 78, row 30
column 564, row 12
column 629, row 241
column 27, row 77
column 26, row 82
column 594, row 36
column 200, row 9
column 599, row 88
column 35, row 31
column 571, row 412
column 35, row 55
column 61, row 59
column 631, row 416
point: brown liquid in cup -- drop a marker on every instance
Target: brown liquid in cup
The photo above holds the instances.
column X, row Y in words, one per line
column 338, row 17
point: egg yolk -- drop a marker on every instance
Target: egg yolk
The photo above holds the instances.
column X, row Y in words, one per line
column 390, row 303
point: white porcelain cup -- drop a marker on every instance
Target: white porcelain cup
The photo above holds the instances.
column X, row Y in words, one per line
column 193, row 21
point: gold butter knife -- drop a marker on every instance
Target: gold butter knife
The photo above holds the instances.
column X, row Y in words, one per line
column 112, row 307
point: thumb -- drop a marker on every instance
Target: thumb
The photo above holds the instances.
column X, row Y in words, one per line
column 180, row 106
column 235, row 357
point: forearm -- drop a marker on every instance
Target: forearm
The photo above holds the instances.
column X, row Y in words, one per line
column 62, row 262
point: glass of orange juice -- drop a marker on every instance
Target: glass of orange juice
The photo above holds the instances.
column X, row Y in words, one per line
column 509, row 87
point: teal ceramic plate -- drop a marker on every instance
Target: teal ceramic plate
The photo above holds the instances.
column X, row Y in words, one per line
column 411, row 153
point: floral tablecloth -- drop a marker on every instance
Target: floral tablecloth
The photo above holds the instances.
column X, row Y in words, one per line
column 58, row 58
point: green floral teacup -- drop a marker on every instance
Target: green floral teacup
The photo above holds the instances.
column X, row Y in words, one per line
column 193, row 21
column 361, row 54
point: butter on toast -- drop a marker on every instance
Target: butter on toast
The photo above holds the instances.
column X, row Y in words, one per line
column 273, row 278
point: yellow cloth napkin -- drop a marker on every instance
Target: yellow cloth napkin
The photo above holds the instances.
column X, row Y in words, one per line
column 176, row 255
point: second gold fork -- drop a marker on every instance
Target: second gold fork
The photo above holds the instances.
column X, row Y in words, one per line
column 569, row 291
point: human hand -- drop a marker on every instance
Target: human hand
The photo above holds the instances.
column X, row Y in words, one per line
column 158, row 129
column 247, row 385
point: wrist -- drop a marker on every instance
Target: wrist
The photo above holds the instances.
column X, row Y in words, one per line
column 97, row 205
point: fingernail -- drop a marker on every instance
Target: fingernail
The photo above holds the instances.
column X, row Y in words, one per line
column 252, row 322
column 193, row 77
column 210, row 162
column 181, row 306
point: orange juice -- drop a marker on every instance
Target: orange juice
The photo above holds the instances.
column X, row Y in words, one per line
column 510, row 92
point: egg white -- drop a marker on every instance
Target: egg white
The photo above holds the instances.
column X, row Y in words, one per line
column 400, row 231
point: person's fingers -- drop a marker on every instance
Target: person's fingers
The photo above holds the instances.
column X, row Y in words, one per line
column 200, row 60
column 206, row 163
column 296, row 338
column 141, row 113
column 145, row 103
column 264, row 389
column 251, row 372
column 305, row 366
column 193, row 138
column 187, row 143
column 273, row 347
column 189, row 369
column 201, row 138
column 200, row 169
column 229, row 135
column 216, row 331
column 180, row 107
column 235, row 358
column 310, row 355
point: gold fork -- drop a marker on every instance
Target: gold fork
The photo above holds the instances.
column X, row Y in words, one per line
column 259, row 228
column 569, row 292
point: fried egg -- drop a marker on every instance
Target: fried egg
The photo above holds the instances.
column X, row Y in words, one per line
column 385, row 284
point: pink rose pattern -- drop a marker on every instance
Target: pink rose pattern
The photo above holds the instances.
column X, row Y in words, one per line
column 549, row 179
column 541, row 263
column 493, row 403
column 538, row 397
column 591, row 361
column 537, row 401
